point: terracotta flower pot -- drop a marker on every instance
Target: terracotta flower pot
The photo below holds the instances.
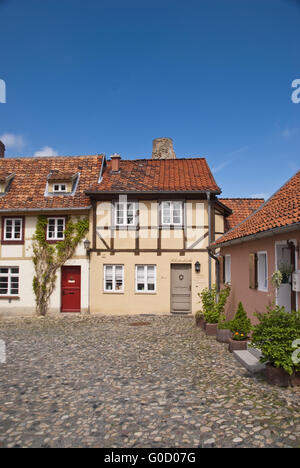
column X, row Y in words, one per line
column 211, row 329
column 277, row 376
column 295, row 379
column 223, row 335
column 235, row 345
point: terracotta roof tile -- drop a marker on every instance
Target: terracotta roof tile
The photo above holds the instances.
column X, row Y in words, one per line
column 241, row 209
column 27, row 189
column 153, row 175
column 282, row 209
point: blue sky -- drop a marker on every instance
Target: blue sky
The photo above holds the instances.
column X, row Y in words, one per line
column 87, row 76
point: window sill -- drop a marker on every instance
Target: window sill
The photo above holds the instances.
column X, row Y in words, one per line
column 151, row 293
column 12, row 242
column 263, row 290
column 113, row 292
column 10, row 297
column 54, row 241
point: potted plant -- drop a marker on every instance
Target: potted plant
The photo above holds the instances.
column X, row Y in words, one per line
column 240, row 327
column 199, row 319
column 285, row 270
column 275, row 335
column 223, row 328
column 213, row 306
column 223, row 331
column 208, row 298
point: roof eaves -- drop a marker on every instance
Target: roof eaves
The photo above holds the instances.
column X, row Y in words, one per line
column 258, row 235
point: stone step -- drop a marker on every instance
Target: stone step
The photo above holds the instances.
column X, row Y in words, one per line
column 256, row 352
column 248, row 360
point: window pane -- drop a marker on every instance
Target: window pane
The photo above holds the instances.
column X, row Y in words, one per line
column 3, row 285
column 108, row 285
column 120, row 213
column 15, row 270
column 140, row 286
column 130, row 213
column 3, row 270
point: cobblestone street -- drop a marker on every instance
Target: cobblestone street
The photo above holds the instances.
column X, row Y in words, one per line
column 111, row 382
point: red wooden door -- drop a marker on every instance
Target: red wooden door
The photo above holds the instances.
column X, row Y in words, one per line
column 70, row 288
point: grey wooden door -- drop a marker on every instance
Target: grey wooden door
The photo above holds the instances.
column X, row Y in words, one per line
column 181, row 289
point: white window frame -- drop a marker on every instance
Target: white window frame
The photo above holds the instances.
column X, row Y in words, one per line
column 146, row 290
column 113, row 290
column 10, row 275
column 55, row 238
column 13, row 231
column 124, row 205
column 261, row 287
column 227, row 269
column 163, row 209
column 60, row 190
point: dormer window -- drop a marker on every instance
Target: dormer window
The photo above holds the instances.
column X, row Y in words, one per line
column 5, row 181
column 61, row 183
column 58, row 188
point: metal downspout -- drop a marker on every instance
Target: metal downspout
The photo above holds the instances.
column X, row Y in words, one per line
column 217, row 269
column 209, row 238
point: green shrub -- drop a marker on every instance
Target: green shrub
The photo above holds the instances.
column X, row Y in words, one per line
column 241, row 324
column 224, row 324
column 213, row 304
column 198, row 316
column 274, row 335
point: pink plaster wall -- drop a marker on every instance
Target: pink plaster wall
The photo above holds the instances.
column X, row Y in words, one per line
column 252, row 299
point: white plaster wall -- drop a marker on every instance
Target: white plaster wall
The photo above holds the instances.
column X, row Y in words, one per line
column 11, row 251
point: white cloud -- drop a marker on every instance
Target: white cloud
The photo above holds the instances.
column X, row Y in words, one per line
column 13, row 141
column 45, row 151
column 289, row 132
column 230, row 158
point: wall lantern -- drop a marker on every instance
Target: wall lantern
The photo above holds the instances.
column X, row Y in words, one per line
column 197, row 267
column 87, row 244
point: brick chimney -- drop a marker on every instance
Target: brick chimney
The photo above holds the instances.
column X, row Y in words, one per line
column 2, row 149
column 115, row 162
column 163, row 149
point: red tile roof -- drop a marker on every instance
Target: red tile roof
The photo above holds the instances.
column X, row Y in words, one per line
column 164, row 175
column 282, row 209
column 27, row 189
column 241, row 209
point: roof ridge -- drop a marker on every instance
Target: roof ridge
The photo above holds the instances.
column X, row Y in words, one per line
column 151, row 159
column 30, row 158
column 240, row 198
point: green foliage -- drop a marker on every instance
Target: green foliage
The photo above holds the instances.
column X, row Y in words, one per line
column 274, row 335
column 213, row 304
column 277, row 279
column 224, row 324
column 285, row 270
column 241, row 324
column 48, row 258
column 198, row 316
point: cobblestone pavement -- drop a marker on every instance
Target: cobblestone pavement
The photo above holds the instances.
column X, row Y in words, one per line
column 102, row 382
